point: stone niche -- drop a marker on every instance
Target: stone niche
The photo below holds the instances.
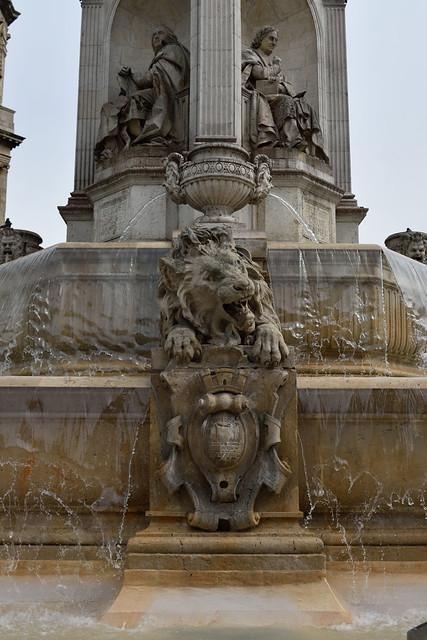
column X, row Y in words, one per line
column 123, row 198
column 127, row 195
column 130, row 36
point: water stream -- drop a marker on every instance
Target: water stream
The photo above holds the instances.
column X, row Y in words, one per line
column 128, row 229
column 296, row 215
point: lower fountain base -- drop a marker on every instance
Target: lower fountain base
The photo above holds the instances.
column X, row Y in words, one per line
column 291, row 605
column 173, row 554
column 272, row 575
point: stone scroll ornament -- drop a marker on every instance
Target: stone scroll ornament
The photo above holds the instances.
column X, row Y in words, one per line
column 225, row 382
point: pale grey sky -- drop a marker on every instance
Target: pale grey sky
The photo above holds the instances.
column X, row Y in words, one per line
column 387, row 71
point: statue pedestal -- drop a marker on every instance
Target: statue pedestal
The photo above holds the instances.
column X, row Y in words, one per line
column 127, row 201
column 271, row 576
column 289, row 606
column 128, row 197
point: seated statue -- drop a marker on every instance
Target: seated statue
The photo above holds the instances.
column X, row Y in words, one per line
column 147, row 110
column 278, row 116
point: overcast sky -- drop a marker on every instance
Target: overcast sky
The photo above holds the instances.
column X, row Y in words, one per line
column 387, row 72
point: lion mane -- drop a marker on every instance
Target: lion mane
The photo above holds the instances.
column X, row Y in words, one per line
column 211, row 292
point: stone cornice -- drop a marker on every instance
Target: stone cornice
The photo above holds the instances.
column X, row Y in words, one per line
column 10, row 139
column 298, row 174
column 91, row 3
column 335, row 3
column 9, row 12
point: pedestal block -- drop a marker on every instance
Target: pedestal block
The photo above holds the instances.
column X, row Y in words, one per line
column 224, row 518
column 223, row 477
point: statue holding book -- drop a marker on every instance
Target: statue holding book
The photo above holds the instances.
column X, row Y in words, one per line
column 278, row 115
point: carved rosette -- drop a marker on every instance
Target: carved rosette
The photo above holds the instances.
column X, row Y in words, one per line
column 222, row 440
column 217, row 180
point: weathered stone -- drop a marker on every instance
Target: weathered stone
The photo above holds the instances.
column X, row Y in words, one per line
column 70, row 500
column 16, row 243
column 363, row 466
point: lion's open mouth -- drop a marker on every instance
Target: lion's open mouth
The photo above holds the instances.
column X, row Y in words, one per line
column 241, row 314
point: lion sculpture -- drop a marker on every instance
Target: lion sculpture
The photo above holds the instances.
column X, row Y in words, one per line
column 211, row 292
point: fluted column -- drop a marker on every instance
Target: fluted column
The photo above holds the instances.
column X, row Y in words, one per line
column 336, row 61
column 215, row 100
column 89, row 90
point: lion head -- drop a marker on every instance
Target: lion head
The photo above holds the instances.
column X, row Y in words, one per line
column 212, row 292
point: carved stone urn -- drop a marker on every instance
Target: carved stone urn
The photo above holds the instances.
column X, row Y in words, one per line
column 217, row 179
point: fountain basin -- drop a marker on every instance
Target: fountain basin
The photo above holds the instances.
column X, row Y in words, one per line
column 75, row 467
column 91, row 309
column 74, row 482
column 78, row 325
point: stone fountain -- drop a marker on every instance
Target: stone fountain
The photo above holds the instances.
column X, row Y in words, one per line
column 250, row 429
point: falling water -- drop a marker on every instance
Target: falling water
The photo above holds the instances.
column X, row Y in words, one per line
column 339, row 310
column 411, row 277
column 18, row 290
column 334, row 306
column 74, row 462
column 79, row 310
column 296, row 215
column 125, row 235
column 362, row 439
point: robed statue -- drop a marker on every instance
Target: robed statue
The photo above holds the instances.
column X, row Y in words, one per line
column 278, row 115
column 147, row 110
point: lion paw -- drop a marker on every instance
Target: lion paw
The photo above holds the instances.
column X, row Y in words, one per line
column 183, row 345
column 269, row 347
